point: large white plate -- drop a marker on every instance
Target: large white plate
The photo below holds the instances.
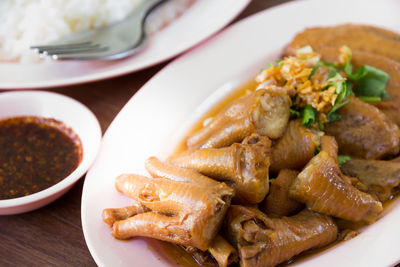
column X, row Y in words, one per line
column 201, row 20
column 159, row 114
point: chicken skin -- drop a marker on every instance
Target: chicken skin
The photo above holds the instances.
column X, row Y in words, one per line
column 245, row 166
column 364, row 132
column 357, row 37
column 278, row 201
column 264, row 241
column 381, row 177
column 322, row 187
column 295, row 148
column 262, row 112
column 185, row 208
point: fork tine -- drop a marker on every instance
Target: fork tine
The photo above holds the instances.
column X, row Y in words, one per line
column 74, row 51
column 55, row 50
column 75, row 56
column 70, row 49
column 55, row 46
column 104, row 55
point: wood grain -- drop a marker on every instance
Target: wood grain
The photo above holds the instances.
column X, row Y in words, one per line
column 52, row 235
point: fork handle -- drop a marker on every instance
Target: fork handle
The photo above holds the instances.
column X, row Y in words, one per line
column 144, row 10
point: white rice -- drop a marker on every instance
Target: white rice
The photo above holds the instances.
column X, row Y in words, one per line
column 30, row 22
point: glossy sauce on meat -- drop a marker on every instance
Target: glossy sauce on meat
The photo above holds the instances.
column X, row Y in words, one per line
column 36, row 153
column 236, row 93
column 177, row 256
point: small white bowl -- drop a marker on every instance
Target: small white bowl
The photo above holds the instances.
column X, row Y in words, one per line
column 67, row 110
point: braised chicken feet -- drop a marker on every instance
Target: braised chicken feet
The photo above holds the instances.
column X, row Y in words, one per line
column 323, row 188
column 183, row 207
column 245, row 166
column 263, row 112
column 264, row 241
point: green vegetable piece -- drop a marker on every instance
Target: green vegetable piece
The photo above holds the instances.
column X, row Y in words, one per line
column 313, row 70
column 333, row 116
column 294, row 113
column 279, row 62
column 326, row 64
column 349, row 87
column 341, row 87
column 309, row 115
column 343, row 159
column 370, row 99
column 321, row 125
column 371, row 82
column 342, row 90
column 348, row 67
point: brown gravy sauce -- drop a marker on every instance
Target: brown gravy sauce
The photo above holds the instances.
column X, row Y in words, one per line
column 236, row 93
column 177, row 256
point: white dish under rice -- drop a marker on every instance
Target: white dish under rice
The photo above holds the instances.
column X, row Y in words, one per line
column 31, row 22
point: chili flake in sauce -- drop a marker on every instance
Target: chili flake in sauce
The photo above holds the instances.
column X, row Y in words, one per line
column 36, row 153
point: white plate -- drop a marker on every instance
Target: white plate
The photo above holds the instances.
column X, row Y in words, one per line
column 201, row 20
column 156, row 118
column 62, row 108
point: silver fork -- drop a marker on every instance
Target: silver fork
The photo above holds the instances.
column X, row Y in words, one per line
column 115, row 41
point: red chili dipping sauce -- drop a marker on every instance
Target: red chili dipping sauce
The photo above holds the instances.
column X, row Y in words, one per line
column 35, row 153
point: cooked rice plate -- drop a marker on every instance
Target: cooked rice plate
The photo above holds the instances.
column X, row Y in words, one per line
column 31, row 22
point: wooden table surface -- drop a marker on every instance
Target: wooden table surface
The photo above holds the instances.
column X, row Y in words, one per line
column 52, row 235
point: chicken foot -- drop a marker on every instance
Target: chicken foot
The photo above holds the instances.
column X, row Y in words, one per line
column 245, row 165
column 323, row 188
column 262, row 112
column 186, row 211
column 112, row 215
column 265, row 241
column 223, row 252
column 295, row 148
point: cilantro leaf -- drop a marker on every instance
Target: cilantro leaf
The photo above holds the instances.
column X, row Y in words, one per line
column 348, row 67
column 313, row 70
column 343, row 159
column 321, row 125
column 309, row 115
column 342, row 90
column 349, row 86
column 327, row 64
column 279, row 62
column 294, row 113
column 332, row 115
column 371, row 82
column 370, row 99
